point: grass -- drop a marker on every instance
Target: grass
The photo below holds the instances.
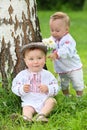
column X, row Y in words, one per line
column 70, row 113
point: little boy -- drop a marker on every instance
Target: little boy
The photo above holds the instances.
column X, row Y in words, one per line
column 67, row 62
column 35, row 85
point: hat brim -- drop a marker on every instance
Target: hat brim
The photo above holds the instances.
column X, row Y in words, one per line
column 37, row 45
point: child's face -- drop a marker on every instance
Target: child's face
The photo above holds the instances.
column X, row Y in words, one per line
column 58, row 28
column 35, row 60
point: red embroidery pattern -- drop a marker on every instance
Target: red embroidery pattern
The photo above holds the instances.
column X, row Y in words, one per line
column 34, row 83
column 67, row 42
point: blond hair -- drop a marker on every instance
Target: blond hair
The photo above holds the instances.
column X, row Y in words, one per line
column 61, row 15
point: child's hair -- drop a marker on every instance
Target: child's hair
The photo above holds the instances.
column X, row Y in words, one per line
column 61, row 15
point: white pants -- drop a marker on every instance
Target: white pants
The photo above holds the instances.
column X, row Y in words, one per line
column 75, row 77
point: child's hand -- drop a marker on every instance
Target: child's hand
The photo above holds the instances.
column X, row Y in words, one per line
column 43, row 88
column 26, row 88
column 53, row 56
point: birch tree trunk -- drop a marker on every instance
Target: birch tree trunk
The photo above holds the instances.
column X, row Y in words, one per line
column 19, row 25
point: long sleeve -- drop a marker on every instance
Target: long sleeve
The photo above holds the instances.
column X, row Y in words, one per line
column 18, row 83
column 51, row 82
column 68, row 58
column 67, row 49
column 53, row 86
column 47, row 78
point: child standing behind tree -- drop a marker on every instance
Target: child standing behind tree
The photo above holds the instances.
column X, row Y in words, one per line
column 35, row 85
column 67, row 62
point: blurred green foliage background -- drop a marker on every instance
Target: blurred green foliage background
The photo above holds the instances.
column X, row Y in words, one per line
column 61, row 4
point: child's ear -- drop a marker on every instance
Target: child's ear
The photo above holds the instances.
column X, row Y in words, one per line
column 67, row 28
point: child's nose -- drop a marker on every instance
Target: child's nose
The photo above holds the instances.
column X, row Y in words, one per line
column 35, row 61
column 54, row 33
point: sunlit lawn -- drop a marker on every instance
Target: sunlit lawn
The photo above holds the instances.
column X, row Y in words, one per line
column 70, row 113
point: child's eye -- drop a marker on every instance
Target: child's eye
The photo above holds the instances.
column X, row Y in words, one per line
column 57, row 30
column 30, row 59
column 52, row 30
column 39, row 57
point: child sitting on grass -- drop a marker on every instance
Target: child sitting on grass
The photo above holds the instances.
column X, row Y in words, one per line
column 35, row 85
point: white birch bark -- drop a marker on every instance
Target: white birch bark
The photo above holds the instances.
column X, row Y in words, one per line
column 18, row 26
